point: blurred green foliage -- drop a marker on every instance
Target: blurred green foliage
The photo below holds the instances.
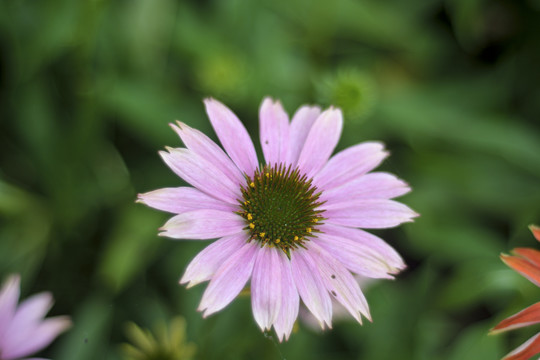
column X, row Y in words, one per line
column 168, row 342
column 87, row 89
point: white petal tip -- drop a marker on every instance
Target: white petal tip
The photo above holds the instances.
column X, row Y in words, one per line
column 325, row 324
column 14, row 278
column 205, row 312
column 492, row 331
column 412, row 217
column 338, row 112
column 335, row 111
column 282, row 336
column 210, row 101
column 188, row 283
column 64, row 323
column 266, row 100
column 181, row 125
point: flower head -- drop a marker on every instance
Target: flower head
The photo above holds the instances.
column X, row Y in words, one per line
column 526, row 261
column 290, row 225
column 23, row 331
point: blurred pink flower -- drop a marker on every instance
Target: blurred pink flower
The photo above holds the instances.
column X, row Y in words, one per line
column 289, row 225
column 527, row 263
column 23, row 329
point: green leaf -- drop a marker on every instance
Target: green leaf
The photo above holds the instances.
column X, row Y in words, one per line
column 132, row 245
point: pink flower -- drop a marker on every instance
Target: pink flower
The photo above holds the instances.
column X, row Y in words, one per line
column 23, row 331
column 289, row 226
column 339, row 313
column 527, row 263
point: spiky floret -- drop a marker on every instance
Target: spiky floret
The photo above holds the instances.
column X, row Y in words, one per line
column 279, row 205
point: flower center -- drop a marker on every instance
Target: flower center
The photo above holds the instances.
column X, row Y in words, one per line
column 279, row 207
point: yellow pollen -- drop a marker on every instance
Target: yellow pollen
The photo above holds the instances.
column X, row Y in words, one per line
column 279, row 205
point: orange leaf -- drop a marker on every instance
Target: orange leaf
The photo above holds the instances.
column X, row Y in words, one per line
column 528, row 349
column 525, row 317
column 532, row 255
column 524, row 267
column 536, row 231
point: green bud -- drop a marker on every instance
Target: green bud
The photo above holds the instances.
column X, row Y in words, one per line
column 349, row 89
column 165, row 343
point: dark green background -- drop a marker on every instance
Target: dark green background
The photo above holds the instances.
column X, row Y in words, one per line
column 88, row 87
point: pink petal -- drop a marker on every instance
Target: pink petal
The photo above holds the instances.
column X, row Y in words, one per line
column 289, row 301
column 368, row 214
column 527, row 350
column 28, row 314
column 201, row 174
column 35, row 338
column 375, row 243
column 9, row 296
column 27, row 331
column 349, row 164
column 311, row 287
column 229, row 280
column 340, row 283
column 203, row 224
column 526, row 317
column 274, row 131
column 357, row 257
column 203, row 146
column 524, row 267
column 266, row 287
column 321, row 141
column 207, row 262
column 181, row 199
column 377, row 185
column 301, row 124
column 233, row 136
